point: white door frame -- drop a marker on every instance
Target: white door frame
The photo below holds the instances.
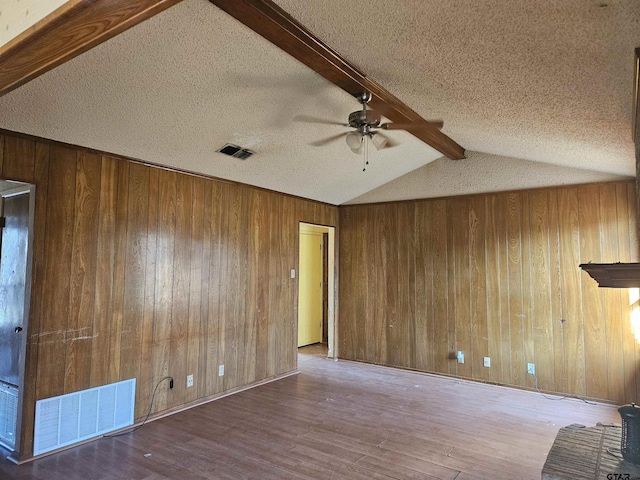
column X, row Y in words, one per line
column 331, row 280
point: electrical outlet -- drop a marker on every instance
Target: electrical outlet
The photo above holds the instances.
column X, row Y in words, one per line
column 189, row 381
column 487, row 362
column 293, row 273
column 531, row 368
column 220, row 370
column 460, row 357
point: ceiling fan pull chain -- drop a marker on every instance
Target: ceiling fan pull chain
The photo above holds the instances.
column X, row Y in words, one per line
column 364, row 154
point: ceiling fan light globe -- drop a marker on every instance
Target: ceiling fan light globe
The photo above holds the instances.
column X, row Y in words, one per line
column 379, row 141
column 354, row 140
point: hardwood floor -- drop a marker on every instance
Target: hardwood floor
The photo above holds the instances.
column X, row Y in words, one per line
column 336, row 420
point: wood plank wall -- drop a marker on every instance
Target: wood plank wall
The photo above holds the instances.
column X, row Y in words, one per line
column 494, row 275
column 145, row 272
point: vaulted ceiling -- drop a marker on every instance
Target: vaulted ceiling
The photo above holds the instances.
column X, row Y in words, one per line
column 539, row 93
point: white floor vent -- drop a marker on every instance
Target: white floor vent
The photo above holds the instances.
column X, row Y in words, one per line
column 71, row 418
column 8, row 415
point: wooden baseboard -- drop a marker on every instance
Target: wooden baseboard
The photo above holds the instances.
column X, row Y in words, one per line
column 570, row 396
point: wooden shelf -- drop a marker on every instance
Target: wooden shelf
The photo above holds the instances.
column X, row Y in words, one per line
column 614, row 275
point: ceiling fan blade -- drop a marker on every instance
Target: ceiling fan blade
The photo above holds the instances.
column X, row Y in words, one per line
column 325, row 141
column 309, row 119
column 412, row 126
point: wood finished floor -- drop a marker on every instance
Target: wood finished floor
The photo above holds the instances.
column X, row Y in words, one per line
column 336, row 420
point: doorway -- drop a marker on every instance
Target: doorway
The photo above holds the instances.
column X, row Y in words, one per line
column 16, row 224
column 316, row 286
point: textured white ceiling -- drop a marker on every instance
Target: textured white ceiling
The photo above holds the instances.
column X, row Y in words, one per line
column 543, row 81
column 479, row 173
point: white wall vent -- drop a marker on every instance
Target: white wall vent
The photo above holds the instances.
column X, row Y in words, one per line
column 8, row 415
column 71, row 418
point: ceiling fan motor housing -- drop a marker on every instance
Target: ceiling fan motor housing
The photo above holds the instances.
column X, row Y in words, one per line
column 361, row 118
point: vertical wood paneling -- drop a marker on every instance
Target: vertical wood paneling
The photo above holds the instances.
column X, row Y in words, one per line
column 19, row 159
column 592, row 297
column 379, row 242
column 347, row 327
column 83, row 274
column 573, row 340
column 263, row 201
column 527, row 280
column 634, row 256
column 241, row 289
column 164, row 285
column 478, row 280
column 361, row 286
column 275, row 287
column 205, row 384
column 288, row 334
column 514, row 275
column 628, row 340
column 404, row 326
column 442, row 317
column 557, row 322
column 217, row 280
column 115, row 342
column 505, row 323
column 105, row 266
column 540, row 289
column 252, row 240
column 612, row 298
column 462, row 283
column 181, row 274
column 371, row 266
column 231, row 311
column 146, row 380
column 390, row 285
column 251, row 299
column 2, row 153
column 134, row 292
column 423, row 320
column 144, row 272
column 289, row 260
column 58, row 252
column 215, row 229
column 633, row 222
column 494, row 275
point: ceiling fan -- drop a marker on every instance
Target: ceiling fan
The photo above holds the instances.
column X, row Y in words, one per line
column 367, row 126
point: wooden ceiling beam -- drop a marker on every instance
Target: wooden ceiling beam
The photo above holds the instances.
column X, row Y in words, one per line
column 277, row 26
column 72, row 29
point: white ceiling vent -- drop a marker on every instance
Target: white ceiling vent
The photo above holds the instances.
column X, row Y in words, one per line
column 235, row 151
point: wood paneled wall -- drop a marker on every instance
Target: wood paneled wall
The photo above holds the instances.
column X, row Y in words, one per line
column 494, row 275
column 145, row 272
